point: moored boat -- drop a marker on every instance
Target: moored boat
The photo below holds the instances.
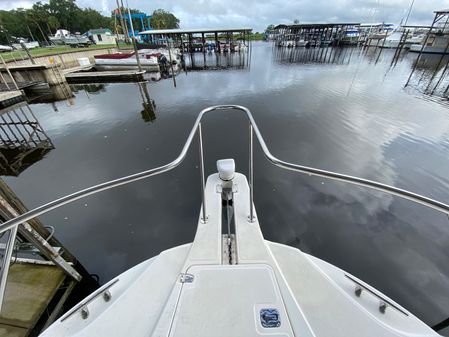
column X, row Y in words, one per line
column 434, row 44
column 125, row 61
column 64, row 37
column 349, row 37
column 394, row 40
column 28, row 45
column 302, row 43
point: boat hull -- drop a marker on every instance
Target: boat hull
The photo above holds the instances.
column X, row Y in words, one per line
column 126, row 64
column 237, row 285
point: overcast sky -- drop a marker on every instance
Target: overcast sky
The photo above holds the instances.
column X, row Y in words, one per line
column 257, row 14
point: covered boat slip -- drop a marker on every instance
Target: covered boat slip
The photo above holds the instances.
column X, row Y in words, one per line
column 314, row 34
column 236, row 285
column 188, row 39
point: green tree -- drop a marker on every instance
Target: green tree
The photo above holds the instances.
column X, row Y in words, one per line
column 269, row 28
column 44, row 19
column 162, row 19
column 53, row 22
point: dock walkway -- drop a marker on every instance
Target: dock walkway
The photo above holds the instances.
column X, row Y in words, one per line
column 29, row 291
column 105, row 76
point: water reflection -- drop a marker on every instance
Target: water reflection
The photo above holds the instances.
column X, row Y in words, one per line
column 51, row 94
column 430, row 75
column 91, row 88
column 149, row 105
column 23, row 141
column 325, row 55
column 216, row 61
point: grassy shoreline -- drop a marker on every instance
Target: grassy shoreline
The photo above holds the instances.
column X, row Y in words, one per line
column 49, row 51
column 55, row 50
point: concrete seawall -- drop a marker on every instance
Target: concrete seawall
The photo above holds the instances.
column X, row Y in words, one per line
column 66, row 60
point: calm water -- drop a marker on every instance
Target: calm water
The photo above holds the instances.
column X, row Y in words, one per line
column 343, row 110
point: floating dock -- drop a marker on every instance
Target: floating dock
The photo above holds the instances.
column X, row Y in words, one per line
column 29, row 294
column 9, row 98
column 105, row 76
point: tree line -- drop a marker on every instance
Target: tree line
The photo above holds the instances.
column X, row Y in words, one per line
column 43, row 19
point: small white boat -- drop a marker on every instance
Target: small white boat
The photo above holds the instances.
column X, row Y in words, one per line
column 288, row 43
column 126, row 61
column 5, row 48
column 151, row 60
column 349, row 36
column 435, row 44
column 302, row 43
column 394, row 39
column 64, row 37
column 233, row 282
column 28, row 45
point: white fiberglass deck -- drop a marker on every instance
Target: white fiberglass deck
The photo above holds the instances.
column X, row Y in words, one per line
column 265, row 289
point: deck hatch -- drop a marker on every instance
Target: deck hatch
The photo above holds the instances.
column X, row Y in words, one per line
column 269, row 318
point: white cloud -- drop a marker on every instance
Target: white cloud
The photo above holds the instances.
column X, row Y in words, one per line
column 258, row 14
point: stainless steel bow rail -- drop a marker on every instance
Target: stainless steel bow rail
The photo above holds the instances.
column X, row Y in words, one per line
column 13, row 224
column 253, row 129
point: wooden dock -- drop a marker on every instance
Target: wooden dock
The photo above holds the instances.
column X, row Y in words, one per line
column 30, row 290
column 104, row 76
column 39, row 278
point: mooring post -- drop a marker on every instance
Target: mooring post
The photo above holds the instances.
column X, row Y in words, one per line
column 217, row 43
column 203, row 42
column 190, row 43
column 436, row 68
column 9, row 73
column 3, row 80
column 61, row 59
column 422, row 48
column 171, row 63
column 28, row 52
column 116, row 43
column 137, row 53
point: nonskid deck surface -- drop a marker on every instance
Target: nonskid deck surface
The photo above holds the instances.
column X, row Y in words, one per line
column 266, row 289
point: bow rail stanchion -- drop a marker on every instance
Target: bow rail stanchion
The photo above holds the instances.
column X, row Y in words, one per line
column 417, row 198
column 203, row 184
column 251, row 174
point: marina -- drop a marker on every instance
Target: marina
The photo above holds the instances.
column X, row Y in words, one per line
column 150, row 100
column 229, row 181
column 317, row 34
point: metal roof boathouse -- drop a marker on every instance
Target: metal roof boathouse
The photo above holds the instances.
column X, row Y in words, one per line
column 195, row 39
